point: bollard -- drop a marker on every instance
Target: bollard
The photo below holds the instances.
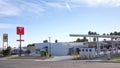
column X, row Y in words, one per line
column 47, row 54
column 94, row 55
column 81, row 55
column 89, row 55
column 109, row 56
column 76, row 55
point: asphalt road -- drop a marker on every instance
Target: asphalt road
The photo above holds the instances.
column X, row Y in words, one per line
column 19, row 63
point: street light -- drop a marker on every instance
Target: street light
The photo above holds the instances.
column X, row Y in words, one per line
column 50, row 45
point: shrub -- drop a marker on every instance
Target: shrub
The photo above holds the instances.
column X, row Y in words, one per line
column 7, row 52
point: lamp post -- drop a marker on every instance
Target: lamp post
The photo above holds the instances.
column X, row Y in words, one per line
column 50, row 45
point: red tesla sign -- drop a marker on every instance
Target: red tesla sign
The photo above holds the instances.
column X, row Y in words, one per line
column 20, row 30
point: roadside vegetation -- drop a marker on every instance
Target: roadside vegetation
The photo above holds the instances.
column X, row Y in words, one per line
column 112, row 59
column 7, row 52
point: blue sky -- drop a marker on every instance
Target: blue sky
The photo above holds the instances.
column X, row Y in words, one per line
column 57, row 19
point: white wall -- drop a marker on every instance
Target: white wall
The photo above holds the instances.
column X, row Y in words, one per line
column 58, row 48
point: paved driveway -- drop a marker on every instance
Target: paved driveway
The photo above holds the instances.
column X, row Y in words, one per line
column 58, row 58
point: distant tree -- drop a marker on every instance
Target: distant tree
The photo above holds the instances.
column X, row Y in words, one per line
column 107, row 34
column 30, row 45
column 85, row 39
column 78, row 40
column 7, row 52
column 95, row 33
column 111, row 33
column 92, row 33
column 118, row 33
column 115, row 33
column 56, row 41
column 81, row 40
column 89, row 32
column 45, row 41
column 104, row 34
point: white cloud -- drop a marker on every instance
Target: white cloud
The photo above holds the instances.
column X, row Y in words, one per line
column 53, row 4
column 96, row 3
column 17, row 7
column 68, row 6
column 61, row 4
column 32, row 7
column 7, row 26
column 10, row 25
column 8, row 9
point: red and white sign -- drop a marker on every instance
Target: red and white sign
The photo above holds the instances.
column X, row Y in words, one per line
column 20, row 40
column 20, row 30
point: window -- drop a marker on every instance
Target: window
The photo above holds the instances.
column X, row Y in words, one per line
column 90, row 50
column 83, row 50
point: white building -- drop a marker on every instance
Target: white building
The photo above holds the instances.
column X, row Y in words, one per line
column 59, row 49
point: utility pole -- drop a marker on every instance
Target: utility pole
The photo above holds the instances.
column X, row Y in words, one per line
column 50, row 45
column 20, row 46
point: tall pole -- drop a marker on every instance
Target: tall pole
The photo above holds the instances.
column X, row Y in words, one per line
column 50, row 44
column 20, row 45
column 98, row 47
column 20, row 31
column 7, row 40
column 7, row 43
column 3, row 45
column 112, row 46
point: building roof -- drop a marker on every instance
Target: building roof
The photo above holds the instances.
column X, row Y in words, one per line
column 102, row 36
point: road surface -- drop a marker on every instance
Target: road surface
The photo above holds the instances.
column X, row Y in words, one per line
column 32, row 63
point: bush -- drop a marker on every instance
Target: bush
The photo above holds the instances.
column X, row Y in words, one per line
column 7, row 52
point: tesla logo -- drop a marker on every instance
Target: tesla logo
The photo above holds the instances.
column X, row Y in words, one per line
column 20, row 30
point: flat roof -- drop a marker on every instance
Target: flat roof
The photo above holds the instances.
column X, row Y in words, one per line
column 102, row 36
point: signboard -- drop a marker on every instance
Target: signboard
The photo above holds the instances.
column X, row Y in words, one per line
column 20, row 30
column 5, row 37
column 20, row 40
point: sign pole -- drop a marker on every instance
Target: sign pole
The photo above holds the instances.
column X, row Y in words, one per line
column 20, row 44
column 3, row 45
column 5, row 39
column 7, row 44
column 20, row 31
